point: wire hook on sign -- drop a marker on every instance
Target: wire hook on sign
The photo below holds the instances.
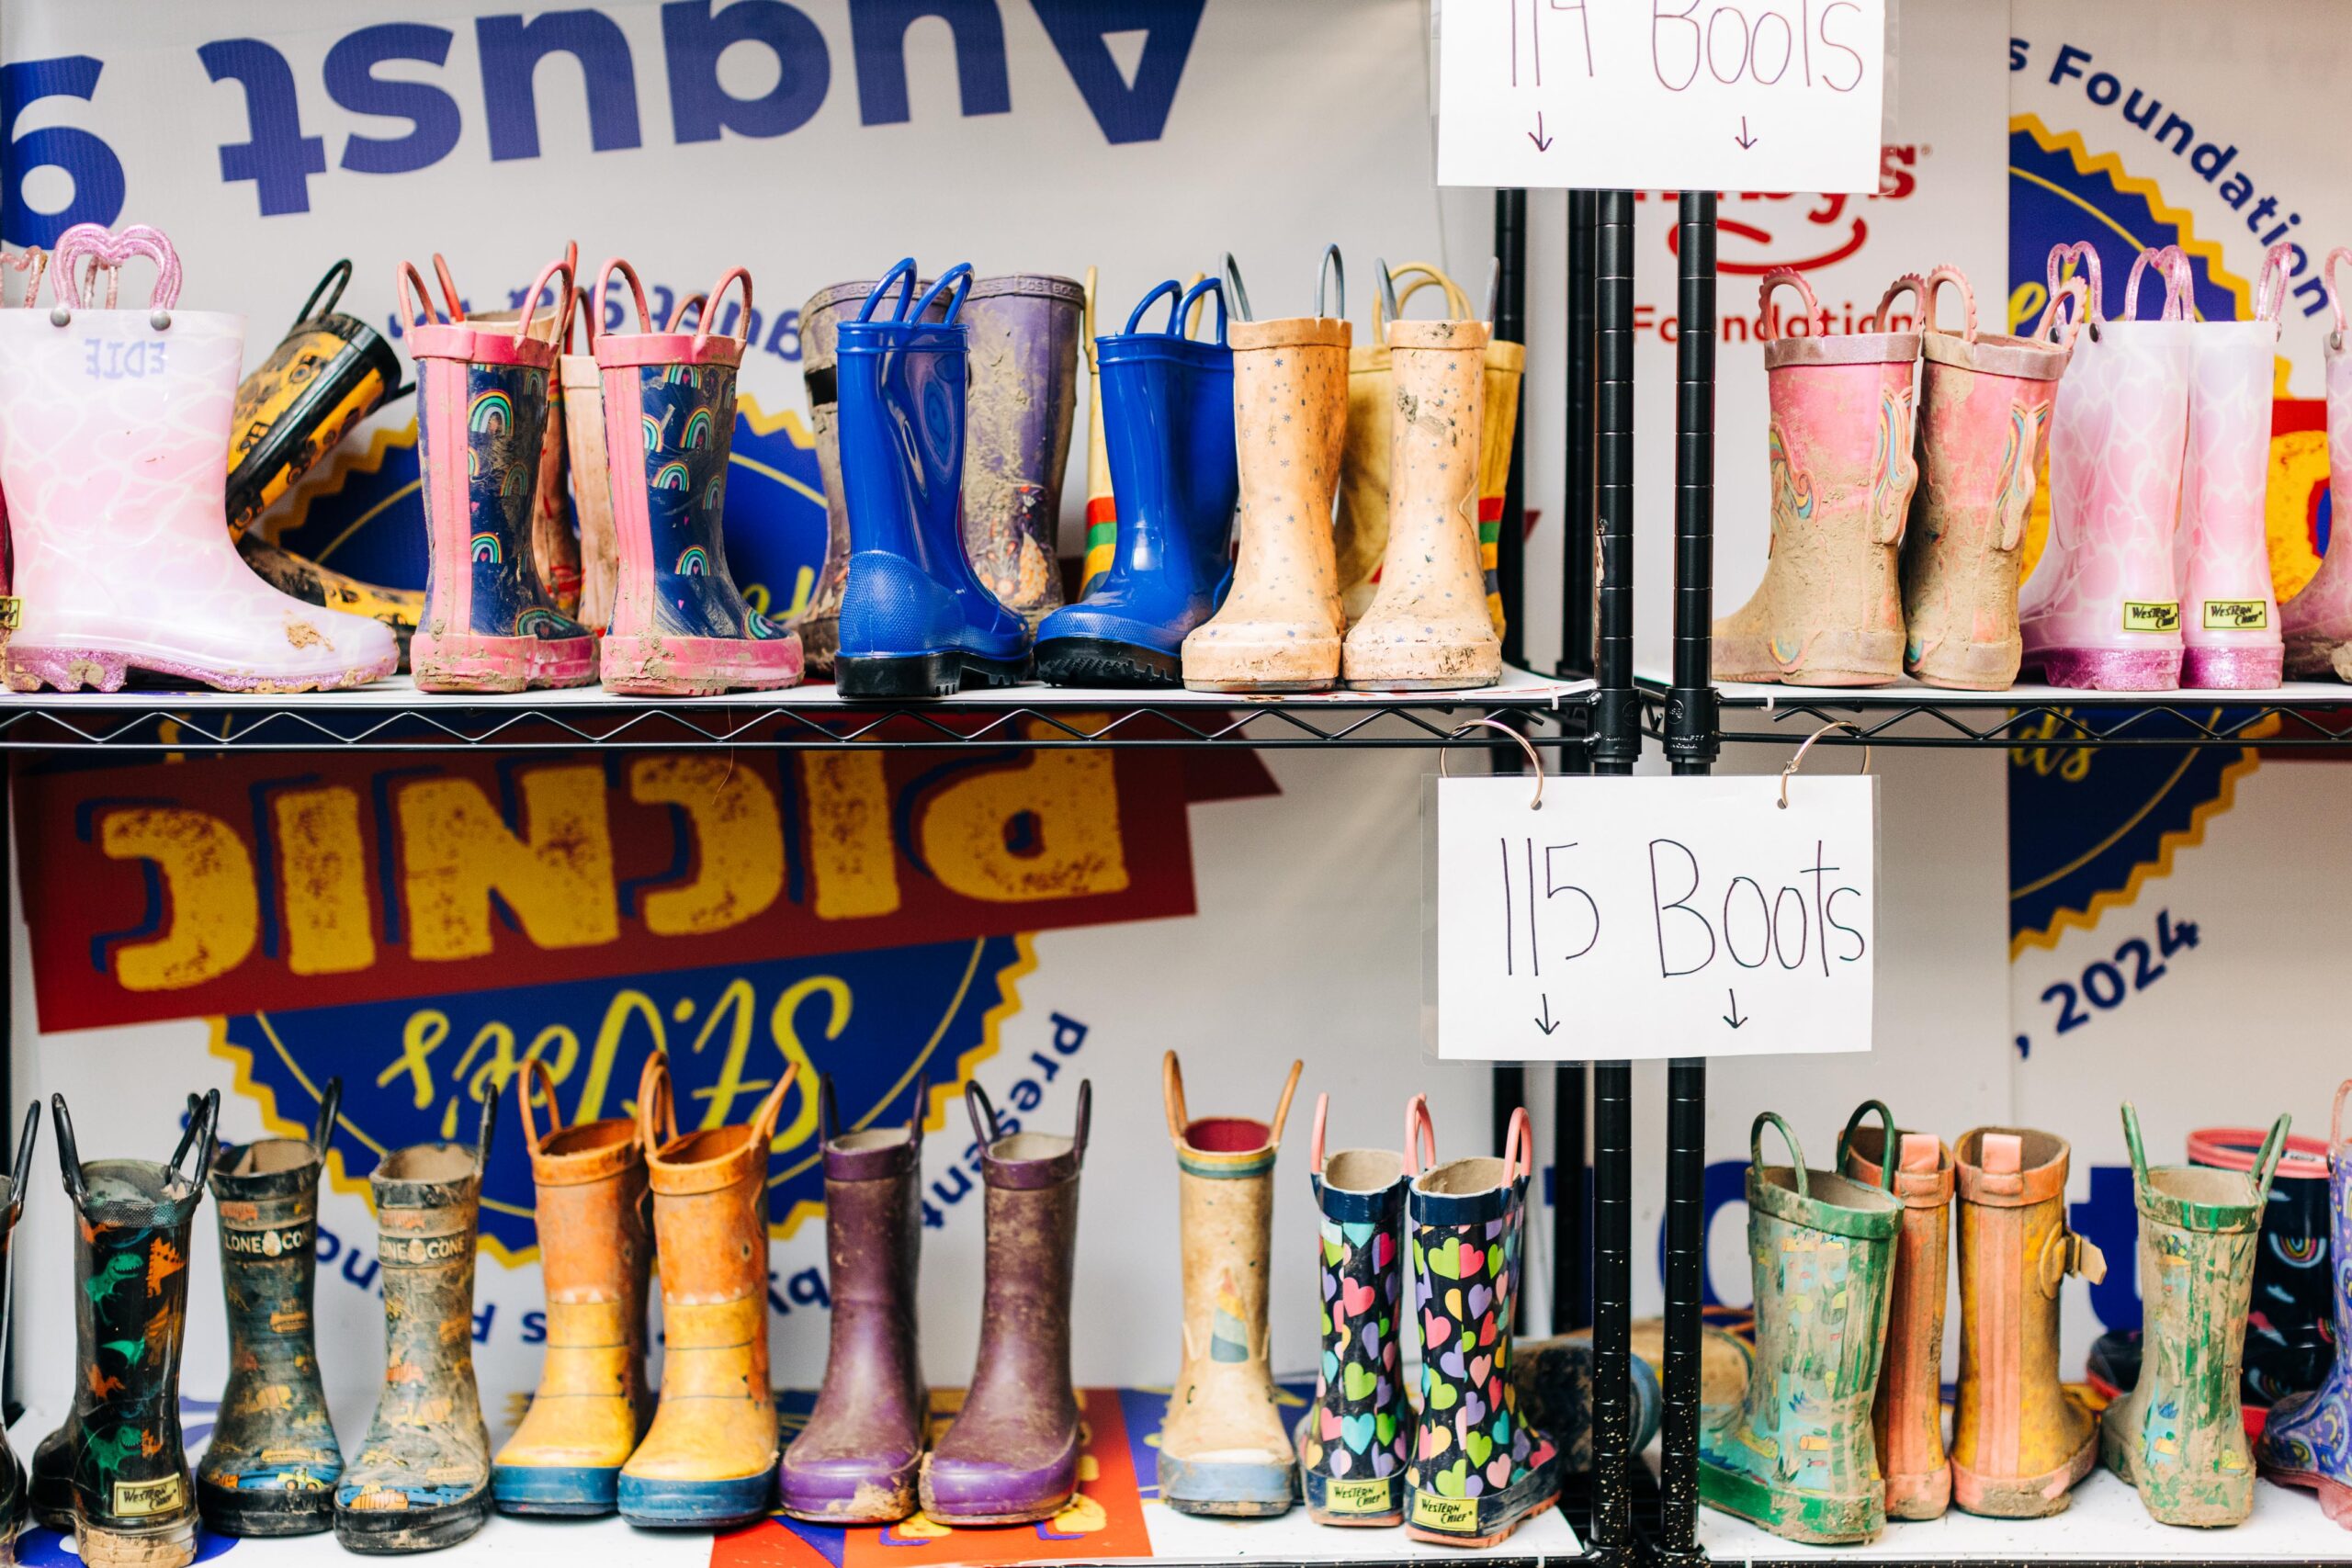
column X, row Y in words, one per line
column 1789, row 772
column 1534, row 758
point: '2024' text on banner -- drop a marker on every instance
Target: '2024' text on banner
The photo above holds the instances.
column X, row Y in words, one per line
column 1644, row 918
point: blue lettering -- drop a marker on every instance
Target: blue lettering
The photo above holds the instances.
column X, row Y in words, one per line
column 511, row 51
column 694, row 34
column 877, row 35
column 96, row 172
column 535, row 1328
column 432, row 113
column 807, row 1289
column 279, row 159
column 1137, row 113
column 2111, row 1222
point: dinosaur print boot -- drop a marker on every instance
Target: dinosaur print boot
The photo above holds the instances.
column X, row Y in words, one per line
column 115, row 1474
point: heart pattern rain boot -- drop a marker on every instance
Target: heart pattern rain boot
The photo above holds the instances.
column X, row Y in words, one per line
column 1360, row 525
column 1166, row 402
column 2307, row 1441
column 2178, row 1436
column 421, row 1479
column 273, row 1464
column 1907, row 1413
column 116, row 481
column 596, row 1258
column 856, row 1461
column 1223, row 1447
column 1102, row 503
column 2290, row 1345
column 2020, row 1440
column 1475, row 1470
column 709, row 1460
column 1985, row 404
column 1351, row 1442
column 15, row 1492
column 2229, row 629
column 115, row 1475
column 1011, row 1455
column 1018, row 410
column 2317, row 622
column 483, row 390
column 1280, row 624
column 2102, row 607
column 1830, row 611
column 679, row 625
column 1795, row 1454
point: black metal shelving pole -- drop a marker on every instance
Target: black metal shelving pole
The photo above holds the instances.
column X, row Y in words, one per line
column 1690, row 748
column 1617, row 745
column 1572, row 1258
column 1510, row 569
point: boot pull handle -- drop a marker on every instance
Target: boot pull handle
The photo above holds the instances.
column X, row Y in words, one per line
column 2131, row 1142
column 330, row 1105
column 1938, row 280
column 1888, row 1152
column 1914, row 285
column 636, row 289
column 2266, row 1164
column 1420, row 1133
column 338, row 276
column 710, row 308
column 530, row 311
column 524, row 1083
column 1333, row 272
column 763, row 1120
column 571, row 296
column 983, row 1113
column 1171, row 1093
column 203, row 1132
column 94, row 243
column 1241, row 293
column 960, row 274
column 698, row 303
column 1189, row 307
column 26, row 1139
column 448, row 288
column 416, row 305
column 903, row 275
column 1519, row 1146
column 1175, row 293
column 1784, row 277
column 33, row 262
column 2045, row 328
column 828, row 1111
column 1385, row 308
column 1315, row 1141
column 578, row 310
column 1085, row 1124
column 486, row 1130
column 2336, row 1119
column 2270, row 292
column 653, row 1104
column 68, row 1153
column 1281, row 1106
column 2172, row 270
column 1424, row 276
column 2326, row 283
column 1796, row 1153
column 915, row 1117
column 2062, row 257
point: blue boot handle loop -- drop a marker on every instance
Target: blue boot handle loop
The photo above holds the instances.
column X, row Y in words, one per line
column 1175, row 293
column 2131, row 1142
column 2266, row 1164
column 1888, row 1150
column 960, row 274
column 1756, row 1148
column 1334, row 273
column 1240, row 294
column 903, row 275
column 1211, row 289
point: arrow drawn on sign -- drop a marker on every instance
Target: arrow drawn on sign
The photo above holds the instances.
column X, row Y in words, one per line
column 1547, row 1023
column 1544, row 142
column 1733, row 1017
column 1745, row 139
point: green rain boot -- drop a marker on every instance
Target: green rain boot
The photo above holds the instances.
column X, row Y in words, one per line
column 2178, row 1436
column 115, row 1475
column 273, row 1464
column 1794, row 1455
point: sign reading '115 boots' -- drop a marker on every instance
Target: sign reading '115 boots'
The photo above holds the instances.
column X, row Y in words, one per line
column 1607, row 919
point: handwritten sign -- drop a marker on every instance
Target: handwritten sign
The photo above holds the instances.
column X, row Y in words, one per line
column 1662, row 94
column 1653, row 916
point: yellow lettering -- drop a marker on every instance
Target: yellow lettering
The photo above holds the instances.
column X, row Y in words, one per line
column 792, row 1131
column 851, row 864
column 624, row 1005
column 557, row 877
column 487, row 1079
column 738, row 840
column 734, row 1003
column 419, row 1037
column 329, row 927
column 1048, row 828
column 211, row 910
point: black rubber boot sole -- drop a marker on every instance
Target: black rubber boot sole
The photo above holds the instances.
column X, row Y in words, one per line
column 1099, row 662
column 917, row 675
column 264, row 1513
column 392, row 1530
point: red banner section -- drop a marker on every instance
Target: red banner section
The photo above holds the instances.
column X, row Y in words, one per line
column 237, row 884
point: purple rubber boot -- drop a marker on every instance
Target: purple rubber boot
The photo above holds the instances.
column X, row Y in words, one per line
column 1016, row 439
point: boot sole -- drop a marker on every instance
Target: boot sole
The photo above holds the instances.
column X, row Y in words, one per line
column 161, row 1546
column 265, row 1514
column 917, row 675
column 1820, row 1518
column 2335, row 1496
column 1099, row 662
column 1379, row 1502
column 468, row 663
column 390, row 1530
column 664, row 666
column 1229, row 1489
column 695, row 1505
column 1495, row 1532
column 2022, row 1497
column 567, row 1491
column 70, row 669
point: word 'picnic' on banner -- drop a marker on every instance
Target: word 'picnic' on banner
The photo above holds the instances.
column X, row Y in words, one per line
column 1655, row 917
column 1662, row 94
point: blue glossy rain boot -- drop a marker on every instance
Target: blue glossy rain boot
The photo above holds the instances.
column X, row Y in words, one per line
column 1168, row 419
column 916, row 620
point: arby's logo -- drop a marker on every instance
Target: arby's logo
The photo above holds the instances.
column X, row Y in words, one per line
column 1756, row 231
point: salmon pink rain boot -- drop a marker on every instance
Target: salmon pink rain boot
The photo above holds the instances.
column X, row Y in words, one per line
column 1359, row 527
column 2318, row 621
column 2229, row 611
column 1984, row 405
column 490, row 623
column 1907, row 1415
column 2307, row 1441
column 679, row 625
column 114, row 452
column 2102, row 608
column 592, row 479
column 1829, row 611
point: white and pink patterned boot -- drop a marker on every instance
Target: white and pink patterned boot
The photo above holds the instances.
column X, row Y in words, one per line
column 2229, row 614
column 2318, row 621
column 2102, row 608
column 114, row 452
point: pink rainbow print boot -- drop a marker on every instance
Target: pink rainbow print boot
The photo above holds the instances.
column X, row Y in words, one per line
column 679, row 625
column 490, row 623
column 2102, row 608
column 1829, row 611
column 114, row 453
column 2229, row 614
column 2318, row 621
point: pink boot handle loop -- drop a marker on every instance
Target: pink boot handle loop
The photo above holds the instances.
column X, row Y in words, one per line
column 33, row 263
column 91, row 243
column 1314, row 1143
column 694, row 302
column 1910, row 283
column 2060, row 255
column 1420, row 1137
column 582, row 310
column 539, row 286
column 449, row 299
column 2270, row 293
column 2073, row 290
column 1796, row 1154
column 2327, row 282
column 2173, row 268
column 416, row 305
column 960, row 274
column 1172, row 1094
column 2336, row 1119
column 637, row 291
column 903, row 275
column 1783, row 276
column 710, row 308
column 1519, row 1146
column 1937, row 281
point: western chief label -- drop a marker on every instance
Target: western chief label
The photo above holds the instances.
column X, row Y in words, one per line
column 2238, row 614
column 2151, row 616
column 416, row 1249
column 277, row 1241
column 1359, row 1497
column 138, row 1499
column 12, row 613
column 1457, row 1514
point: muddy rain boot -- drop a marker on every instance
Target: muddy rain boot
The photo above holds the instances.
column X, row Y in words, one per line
column 1280, row 627
column 115, row 1475
column 2179, row 1435
column 1360, row 525
column 595, row 1257
column 273, row 1462
column 592, row 479
column 1830, row 611
column 2318, row 621
column 1984, row 406
column 855, row 1461
column 1351, row 1442
column 2307, row 1441
column 422, row 1477
column 1553, row 1380
column 16, row 1496
column 1506, row 367
column 1223, row 1449
column 709, row 1460
column 1023, row 393
column 1795, row 1454
column 1011, row 1455
column 1907, row 1416
column 554, row 548
column 1476, row 1470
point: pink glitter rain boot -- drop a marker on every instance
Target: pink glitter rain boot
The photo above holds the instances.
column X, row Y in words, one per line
column 1829, row 611
column 2229, row 613
column 114, row 452
column 2102, row 608
column 2318, row 621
